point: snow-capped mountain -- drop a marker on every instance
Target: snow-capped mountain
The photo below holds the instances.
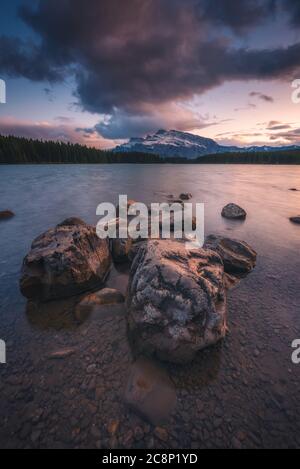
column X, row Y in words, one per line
column 173, row 143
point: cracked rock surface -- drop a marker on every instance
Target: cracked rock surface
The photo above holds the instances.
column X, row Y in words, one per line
column 176, row 302
column 67, row 260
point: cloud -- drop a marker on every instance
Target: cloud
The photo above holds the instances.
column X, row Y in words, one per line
column 292, row 137
column 293, row 9
column 238, row 15
column 49, row 131
column 245, row 108
column 19, row 58
column 262, row 96
column 279, row 126
column 132, row 59
column 274, row 133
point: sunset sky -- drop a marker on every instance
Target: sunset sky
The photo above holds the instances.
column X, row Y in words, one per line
column 101, row 71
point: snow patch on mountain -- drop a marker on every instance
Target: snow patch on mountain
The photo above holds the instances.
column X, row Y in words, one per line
column 174, row 143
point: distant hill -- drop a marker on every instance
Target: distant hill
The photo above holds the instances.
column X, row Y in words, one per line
column 172, row 143
column 15, row 150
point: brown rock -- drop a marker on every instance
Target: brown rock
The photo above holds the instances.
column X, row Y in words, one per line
column 238, row 257
column 65, row 261
column 6, row 215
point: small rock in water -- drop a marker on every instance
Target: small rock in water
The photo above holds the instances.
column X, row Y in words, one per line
column 150, row 392
column 6, row 215
column 185, row 196
column 295, row 220
column 72, row 221
column 238, row 257
column 61, row 354
column 234, row 212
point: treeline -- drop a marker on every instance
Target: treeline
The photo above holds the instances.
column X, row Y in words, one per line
column 275, row 157
column 15, row 150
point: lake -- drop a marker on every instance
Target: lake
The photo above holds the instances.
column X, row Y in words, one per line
column 241, row 393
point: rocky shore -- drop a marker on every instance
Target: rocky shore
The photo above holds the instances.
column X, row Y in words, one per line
column 174, row 307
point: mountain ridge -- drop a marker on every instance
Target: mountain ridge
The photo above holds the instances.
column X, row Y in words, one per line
column 174, row 143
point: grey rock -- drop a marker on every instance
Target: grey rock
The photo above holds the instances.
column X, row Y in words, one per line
column 176, row 302
column 234, row 212
column 295, row 220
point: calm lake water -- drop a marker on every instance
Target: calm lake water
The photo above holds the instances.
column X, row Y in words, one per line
column 264, row 309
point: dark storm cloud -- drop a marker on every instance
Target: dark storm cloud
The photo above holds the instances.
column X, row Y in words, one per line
column 238, row 15
column 18, row 58
column 129, row 57
column 293, row 8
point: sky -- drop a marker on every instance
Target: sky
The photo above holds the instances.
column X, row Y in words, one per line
column 99, row 72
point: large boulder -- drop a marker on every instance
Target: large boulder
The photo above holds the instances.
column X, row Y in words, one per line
column 65, row 261
column 234, row 212
column 238, row 257
column 176, row 303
